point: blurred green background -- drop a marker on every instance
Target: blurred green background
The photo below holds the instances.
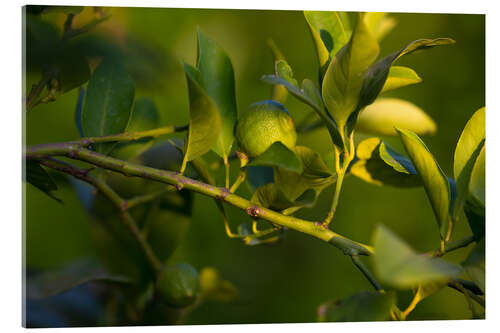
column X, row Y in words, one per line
column 287, row 281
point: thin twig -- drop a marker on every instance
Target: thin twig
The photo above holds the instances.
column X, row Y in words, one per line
column 366, row 272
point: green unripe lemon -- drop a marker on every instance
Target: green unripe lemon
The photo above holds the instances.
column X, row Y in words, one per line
column 179, row 285
column 263, row 124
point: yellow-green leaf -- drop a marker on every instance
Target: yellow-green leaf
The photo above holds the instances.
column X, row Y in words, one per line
column 477, row 180
column 204, row 118
column 435, row 182
column 397, row 265
column 278, row 92
column 381, row 117
column 379, row 24
column 400, row 76
column 278, row 155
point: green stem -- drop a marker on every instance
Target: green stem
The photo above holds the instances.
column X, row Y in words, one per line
column 241, row 178
column 336, row 197
column 120, row 203
column 77, row 152
column 366, row 272
column 452, row 246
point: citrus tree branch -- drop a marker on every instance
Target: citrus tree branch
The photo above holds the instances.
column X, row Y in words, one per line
column 77, row 151
column 121, row 204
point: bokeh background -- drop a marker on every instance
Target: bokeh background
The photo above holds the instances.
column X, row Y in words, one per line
column 287, row 281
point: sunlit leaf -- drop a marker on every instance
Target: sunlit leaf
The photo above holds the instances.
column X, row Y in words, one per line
column 362, row 306
column 38, row 177
column 330, row 32
column 315, row 175
column 474, row 265
column 278, row 155
column 396, row 264
column 54, row 282
column 345, row 74
column 381, row 117
column 108, row 103
column 398, row 77
column 380, row 165
column 204, row 118
column 435, row 182
column 218, row 81
column 278, row 93
column 469, row 148
column 379, row 24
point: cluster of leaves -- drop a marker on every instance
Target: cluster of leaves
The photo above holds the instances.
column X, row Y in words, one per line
column 285, row 179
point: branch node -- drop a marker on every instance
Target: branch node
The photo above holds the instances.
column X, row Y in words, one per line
column 253, row 211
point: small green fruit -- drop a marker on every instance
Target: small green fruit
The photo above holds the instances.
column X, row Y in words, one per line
column 179, row 285
column 263, row 124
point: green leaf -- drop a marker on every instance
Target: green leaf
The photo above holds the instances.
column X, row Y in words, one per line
column 377, row 74
column 468, row 150
column 54, row 282
column 278, row 155
column 108, row 103
column 381, row 165
column 271, row 196
column 218, row 81
column 362, row 306
column 477, row 179
column 330, row 32
column 315, row 176
column 344, row 77
column 381, row 117
column 397, row 265
column 204, row 118
column 435, row 182
column 474, row 265
column 278, row 93
column 379, row 24
column 79, row 110
column 38, row 177
column 398, row 77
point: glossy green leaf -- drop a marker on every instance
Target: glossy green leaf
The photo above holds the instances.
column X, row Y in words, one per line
column 344, row 77
column 38, row 177
column 397, row 265
column 218, row 81
column 330, row 32
column 278, row 93
column 380, row 165
column 108, row 103
column 400, row 76
column 54, row 282
column 377, row 74
column 362, row 306
column 468, row 149
column 474, row 265
column 381, row 117
column 477, row 186
column 145, row 116
column 379, row 24
column 278, row 155
column 204, row 118
column 435, row 182
column 270, row 196
column 315, row 175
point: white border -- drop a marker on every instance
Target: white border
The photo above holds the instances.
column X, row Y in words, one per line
column 10, row 129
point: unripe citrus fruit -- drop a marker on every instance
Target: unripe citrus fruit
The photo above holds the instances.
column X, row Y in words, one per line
column 179, row 285
column 263, row 124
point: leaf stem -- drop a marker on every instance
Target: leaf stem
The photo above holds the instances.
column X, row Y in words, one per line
column 452, row 246
column 77, row 152
column 121, row 204
column 366, row 272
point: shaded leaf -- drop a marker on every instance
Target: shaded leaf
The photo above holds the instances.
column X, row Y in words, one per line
column 330, row 32
column 214, row 288
column 398, row 265
column 278, row 155
column 204, row 119
column 38, row 177
column 218, row 81
column 398, row 77
column 278, row 92
column 270, row 196
column 435, row 182
column 469, row 147
column 381, row 117
column 379, row 24
column 108, row 103
column 344, row 77
column 362, row 306
column 258, row 176
column 377, row 74
column 380, row 165
column 474, row 265
column 54, row 282
column 79, row 110
column 69, row 68
column 315, row 176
